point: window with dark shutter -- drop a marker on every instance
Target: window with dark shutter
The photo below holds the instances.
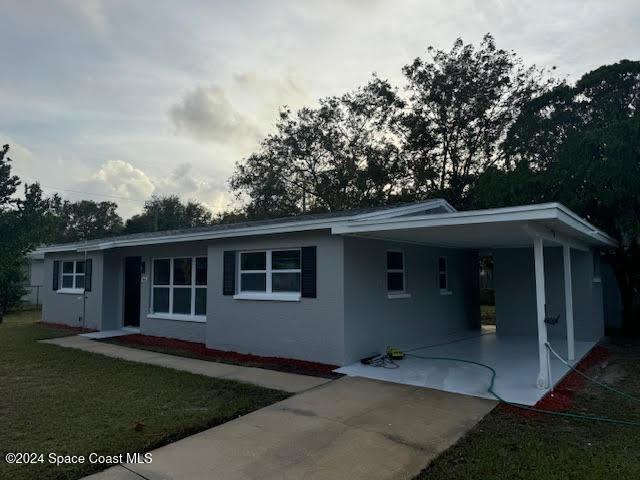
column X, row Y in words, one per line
column 56, row 275
column 309, row 261
column 229, row 273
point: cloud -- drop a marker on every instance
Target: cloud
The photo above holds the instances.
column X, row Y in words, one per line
column 120, row 182
column 241, row 111
column 206, row 114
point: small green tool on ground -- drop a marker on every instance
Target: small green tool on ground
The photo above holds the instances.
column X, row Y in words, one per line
column 395, row 353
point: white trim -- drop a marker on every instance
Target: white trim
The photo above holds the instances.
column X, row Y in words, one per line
column 278, row 296
column 544, row 377
column 545, row 211
column 193, row 287
column 393, row 212
column 74, row 276
column 393, row 296
column 554, row 237
column 365, row 222
column 268, row 271
column 71, row 291
column 181, row 318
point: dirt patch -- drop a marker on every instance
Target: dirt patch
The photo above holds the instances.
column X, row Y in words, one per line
column 63, row 326
column 199, row 350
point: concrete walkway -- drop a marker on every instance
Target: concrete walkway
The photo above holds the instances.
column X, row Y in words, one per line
column 351, row 428
column 287, row 382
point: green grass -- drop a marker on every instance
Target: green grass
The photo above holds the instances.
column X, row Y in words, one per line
column 54, row 399
column 488, row 314
column 508, row 445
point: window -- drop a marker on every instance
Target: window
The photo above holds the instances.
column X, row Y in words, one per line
column 179, row 286
column 73, row 275
column 395, row 271
column 443, row 276
column 270, row 271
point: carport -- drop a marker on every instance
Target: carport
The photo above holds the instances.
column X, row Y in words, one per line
column 521, row 237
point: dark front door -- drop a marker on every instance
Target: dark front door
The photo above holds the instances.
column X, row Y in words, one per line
column 132, row 291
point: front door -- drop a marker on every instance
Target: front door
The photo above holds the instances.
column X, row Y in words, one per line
column 132, row 291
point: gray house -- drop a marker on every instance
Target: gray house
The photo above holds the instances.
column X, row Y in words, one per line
column 337, row 287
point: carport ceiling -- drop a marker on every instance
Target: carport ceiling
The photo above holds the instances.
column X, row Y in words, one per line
column 496, row 228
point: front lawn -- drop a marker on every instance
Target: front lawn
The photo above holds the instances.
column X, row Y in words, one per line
column 70, row 402
column 508, row 444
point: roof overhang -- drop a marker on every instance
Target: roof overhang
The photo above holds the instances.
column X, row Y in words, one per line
column 493, row 228
column 285, row 226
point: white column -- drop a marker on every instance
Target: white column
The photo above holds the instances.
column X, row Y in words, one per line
column 543, row 353
column 568, row 302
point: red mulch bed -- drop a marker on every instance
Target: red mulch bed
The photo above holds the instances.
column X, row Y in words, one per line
column 561, row 398
column 66, row 327
column 200, row 350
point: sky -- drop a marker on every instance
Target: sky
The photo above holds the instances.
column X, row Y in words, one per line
column 120, row 100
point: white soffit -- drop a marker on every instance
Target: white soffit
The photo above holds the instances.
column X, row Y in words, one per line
column 500, row 227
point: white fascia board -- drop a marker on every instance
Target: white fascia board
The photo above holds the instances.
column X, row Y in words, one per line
column 574, row 220
column 539, row 231
column 545, row 211
column 406, row 210
column 290, row 227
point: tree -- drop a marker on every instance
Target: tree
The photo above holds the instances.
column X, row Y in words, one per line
column 83, row 220
column 580, row 145
column 461, row 106
column 168, row 213
column 340, row 155
column 12, row 248
column 374, row 147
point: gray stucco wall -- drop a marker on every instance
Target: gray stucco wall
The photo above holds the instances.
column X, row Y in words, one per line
column 311, row 329
column 66, row 308
column 514, row 281
column 373, row 321
column 611, row 298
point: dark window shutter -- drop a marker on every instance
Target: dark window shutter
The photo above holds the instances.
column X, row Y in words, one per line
column 229, row 273
column 56, row 274
column 88, row 269
column 308, row 272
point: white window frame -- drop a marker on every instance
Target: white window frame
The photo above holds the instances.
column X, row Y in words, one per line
column 396, row 294
column 73, row 289
column 447, row 290
column 190, row 317
column 268, row 294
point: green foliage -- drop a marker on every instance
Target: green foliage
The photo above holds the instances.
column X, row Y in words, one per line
column 12, row 244
column 67, row 221
column 580, row 145
column 337, row 156
column 168, row 213
column 374, row 147
column 461, row 105
column 8, row 183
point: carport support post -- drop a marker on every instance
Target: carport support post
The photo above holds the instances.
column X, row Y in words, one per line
column 543, row 353
column 568, row 299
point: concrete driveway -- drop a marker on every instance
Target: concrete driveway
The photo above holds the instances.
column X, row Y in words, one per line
column 352, row 428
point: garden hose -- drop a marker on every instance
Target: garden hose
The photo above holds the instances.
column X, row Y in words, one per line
column 491, row 390
column 597, row 382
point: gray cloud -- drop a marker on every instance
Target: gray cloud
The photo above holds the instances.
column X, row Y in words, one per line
column 91, row 81
column 207, row 114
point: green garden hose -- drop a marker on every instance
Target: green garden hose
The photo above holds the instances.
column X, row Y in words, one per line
column 524, row 407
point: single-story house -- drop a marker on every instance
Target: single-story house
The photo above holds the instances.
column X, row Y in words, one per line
column 337, row 287
column 33, row 278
